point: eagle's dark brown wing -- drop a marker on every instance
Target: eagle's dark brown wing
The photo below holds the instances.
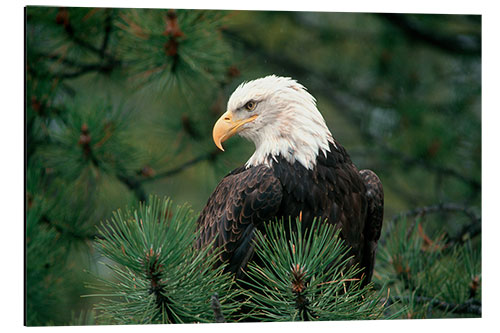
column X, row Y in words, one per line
column 242, row 200
column 374, row 218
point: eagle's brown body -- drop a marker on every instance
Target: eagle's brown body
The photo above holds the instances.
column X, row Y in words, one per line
column 333, row 189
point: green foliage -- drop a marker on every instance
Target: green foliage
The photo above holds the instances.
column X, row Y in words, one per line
column 44, row 256
column 421, row 272
column 307, row 275
column 120, row 103
column 171, row 49
column 90, row 142
column 42, row 288
column 67, row 29
column 158, row 276
column 92, row 136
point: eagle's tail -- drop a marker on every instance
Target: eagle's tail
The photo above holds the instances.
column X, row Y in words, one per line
column 374, row 219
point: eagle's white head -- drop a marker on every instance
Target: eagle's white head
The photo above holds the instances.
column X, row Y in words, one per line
column 280, row 117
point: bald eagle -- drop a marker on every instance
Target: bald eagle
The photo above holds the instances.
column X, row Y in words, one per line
column 297, row 170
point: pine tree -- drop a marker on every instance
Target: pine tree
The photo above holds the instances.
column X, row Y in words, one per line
column 120, row 104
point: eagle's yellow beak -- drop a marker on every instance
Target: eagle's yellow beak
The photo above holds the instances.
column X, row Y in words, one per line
column 225, row 128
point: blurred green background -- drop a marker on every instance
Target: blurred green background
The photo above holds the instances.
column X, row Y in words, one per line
column 120, row 103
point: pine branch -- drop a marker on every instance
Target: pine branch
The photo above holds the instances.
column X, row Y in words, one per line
column 63, row 60
column 192, row 162
column 461, row 44
column 63, row 19
column 108, row 25
column 108, row 61
column 79, row 68
column 442, row 207
column 471, row 306
column 164, row 45
column 134, row 185
column 154, row 273
column 103, row 68
column 82, row 68
column 418, row 266
column 159, row 278
column 63, row 230
column 473, row 228
column 438, row 169
column 306, row 275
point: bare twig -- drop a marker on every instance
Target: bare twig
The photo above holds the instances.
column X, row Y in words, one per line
column 108, row 25
column 64, row 20
column 459, row 44
column 64, row 230
column 134, row 185
column 471, row 306
column 80, row 68
column 84, row 70
column 64, row 60
column 204, row 157
column 216, row 308
column 472, row 229
column 448, row 207
column 441, row 170
column 108, row 61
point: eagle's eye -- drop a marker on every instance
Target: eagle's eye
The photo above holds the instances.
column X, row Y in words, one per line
column 250, row 105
